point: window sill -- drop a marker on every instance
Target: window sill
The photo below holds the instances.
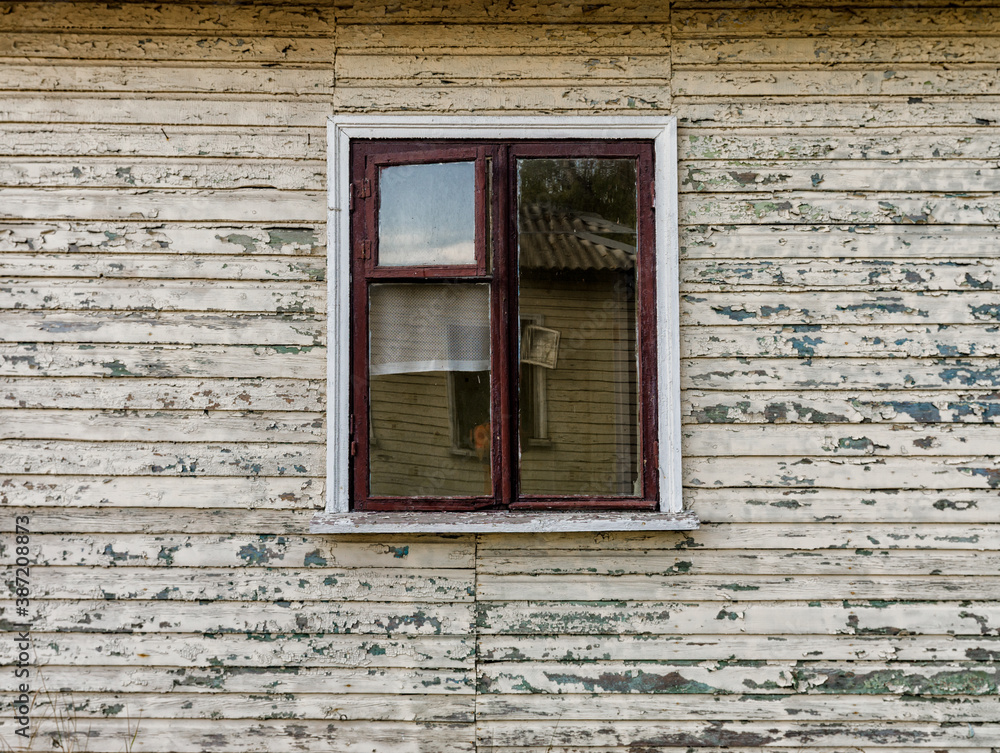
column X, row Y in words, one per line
column 500, row 522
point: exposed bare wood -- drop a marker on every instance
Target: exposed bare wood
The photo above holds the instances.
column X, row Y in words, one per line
column 106, row 238
column 186, row 266
column 243, row 550
column 848, row 373
column 283, row 616
column 149, row 295
column 263, row 205
column 144, row 172
column 82, row 493
column 163, row 394
column 164, row 426
column 155, row 459
column 244, row 736
column 167, row 328
column 169, row 144
column 870, row 275
column 722, row 648
column 292, row 664
column 234, row 361
column 258, row 584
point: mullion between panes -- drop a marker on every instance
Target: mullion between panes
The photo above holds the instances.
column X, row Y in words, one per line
column 503, row 300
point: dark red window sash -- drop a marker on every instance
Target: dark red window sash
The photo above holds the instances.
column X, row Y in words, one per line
column 366, row 158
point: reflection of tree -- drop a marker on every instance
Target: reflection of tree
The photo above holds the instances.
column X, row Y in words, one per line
column 605, row 187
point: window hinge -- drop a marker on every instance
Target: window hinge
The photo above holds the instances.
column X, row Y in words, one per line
column 366, row 249
column 361, row 190
column 354, row 448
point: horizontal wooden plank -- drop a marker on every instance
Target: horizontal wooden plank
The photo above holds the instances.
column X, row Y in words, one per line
column 852, row 374
column 135, row 238
column 311, row 706
column 364, row 67
column 551, row 95
column 876, row 617
column 465, row 11
column 722, row 648
column 913, row 275
column 159, row 172
column 314, row 20
column 794, row 307
column 164, row 426
column 726, row 589
column 817, row 207
column 836, row 242
column 838, row 440
column 161, row 664
column 855, row 682
column 163, row 295
column 140, row 616
column 809, row 51
column 563, row 36
column 166, row 328
column 794, row 112
column 838, row 22
column 213, row 78
column 166, row 459
column 646, row 735
column 149, row 361
column 163, row 394
column 919, row 176
column 147, row 47
column 257, row 585
column 246, row 205
column 832, row 341
column 734, row 562
column 168, row 144
column 817, row 143
column 817, row 505
column 616, row 708
column 242, row 550
column 605, row 677
column 841, row 407
column 250, row 736
column 202, row 267
column 144, row 495
column 164, row 109
column 710, row 536
column 891, row 80
column 975, row 472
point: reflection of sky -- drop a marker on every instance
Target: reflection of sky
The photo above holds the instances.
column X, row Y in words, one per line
column 427, row 214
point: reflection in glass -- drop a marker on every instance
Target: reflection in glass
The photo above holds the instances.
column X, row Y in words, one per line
column 579, row 366
column 429, row 387
column 427, row 214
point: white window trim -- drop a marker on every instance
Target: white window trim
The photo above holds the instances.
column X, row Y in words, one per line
column 662, row 130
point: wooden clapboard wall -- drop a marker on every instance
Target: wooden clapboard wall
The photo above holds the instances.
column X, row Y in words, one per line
column 162, row 356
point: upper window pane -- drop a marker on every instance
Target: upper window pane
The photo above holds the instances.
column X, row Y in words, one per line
column 427, row 215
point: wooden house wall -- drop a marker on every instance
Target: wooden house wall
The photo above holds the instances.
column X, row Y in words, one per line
column 162, row 355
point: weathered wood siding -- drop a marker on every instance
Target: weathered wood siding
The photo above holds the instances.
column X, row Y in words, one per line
column 162, row 356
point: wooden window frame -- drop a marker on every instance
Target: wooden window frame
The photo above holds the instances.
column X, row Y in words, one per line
column 662, row 491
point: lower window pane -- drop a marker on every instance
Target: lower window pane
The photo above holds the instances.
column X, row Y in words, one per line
column 579, row 408
column 429, row 390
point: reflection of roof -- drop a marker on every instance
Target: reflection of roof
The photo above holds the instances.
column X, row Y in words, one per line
column 556, row 239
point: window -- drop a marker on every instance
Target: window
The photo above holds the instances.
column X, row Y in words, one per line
column 503, row 315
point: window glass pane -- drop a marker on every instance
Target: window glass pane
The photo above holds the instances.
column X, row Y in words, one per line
column 427, row 214
column 577, row 279
column 429, row 390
